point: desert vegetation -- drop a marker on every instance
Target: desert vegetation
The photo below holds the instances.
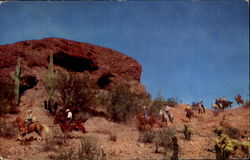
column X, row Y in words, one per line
column 165, row 140
column 6, row 97
column 187, row 132
column 88, row 149
column 7, row 129
column 227, row 146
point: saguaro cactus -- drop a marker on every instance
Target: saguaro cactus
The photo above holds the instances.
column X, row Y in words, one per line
column 50, row 82
column 16, row 76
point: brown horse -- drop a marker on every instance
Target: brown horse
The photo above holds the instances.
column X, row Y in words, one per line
column 75, row 125
column 197, row 106
column 223, row 104
column 189, row 114
column 143, row 122
column 239, row 101
column 33, row 127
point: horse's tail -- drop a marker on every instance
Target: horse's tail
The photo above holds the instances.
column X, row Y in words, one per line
column 46, row 128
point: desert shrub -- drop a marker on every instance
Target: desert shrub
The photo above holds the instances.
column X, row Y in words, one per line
column 232, row 132
column 229, row 131
column 187, row 132
column 156, row 105
column 227, row 147
column 123, row 103
column 7, row 129
column 172, row 102
column 218, row 131
column 224, row 146
column 88, row 149
column 53, row 142
column 245, row 146
column 147, row 136
column 164, row 138
column 74, row 90
column 167, row 139
column 175, row 148
column 48, row 145
column 103, row 97
column 6, row 98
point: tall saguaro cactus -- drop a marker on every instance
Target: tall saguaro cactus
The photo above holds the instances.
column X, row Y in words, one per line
column 50, row 82
column 51, row 77
column 16, row 76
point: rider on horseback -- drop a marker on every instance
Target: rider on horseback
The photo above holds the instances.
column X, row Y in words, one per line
column 224, row 98
column 201, row 104
column 28, row 119
column 166, row 115
column 69, row 116
column 145, row 113
column 238, row 96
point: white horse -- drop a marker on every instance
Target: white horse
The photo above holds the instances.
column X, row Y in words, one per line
column 166, row 116
column 215, row 106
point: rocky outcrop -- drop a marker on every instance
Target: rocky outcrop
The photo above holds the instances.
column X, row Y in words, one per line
column 105, row 65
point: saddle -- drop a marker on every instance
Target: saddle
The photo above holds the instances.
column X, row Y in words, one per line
column 28, row 125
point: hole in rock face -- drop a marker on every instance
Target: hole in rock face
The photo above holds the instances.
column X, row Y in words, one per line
column 27, row 82
column 104, row 80
column 77, row 64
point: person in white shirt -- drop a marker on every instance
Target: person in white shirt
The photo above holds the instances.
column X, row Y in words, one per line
column 69, row 116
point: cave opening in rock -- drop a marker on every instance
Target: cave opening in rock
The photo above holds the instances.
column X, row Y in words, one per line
column 27, row 82
column 104, row 80
column 73, row 63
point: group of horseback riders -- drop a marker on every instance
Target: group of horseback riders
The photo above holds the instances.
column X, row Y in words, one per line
column 166, row 115
column 29, row 117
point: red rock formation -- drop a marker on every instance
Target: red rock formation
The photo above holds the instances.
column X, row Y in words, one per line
column 105, row 65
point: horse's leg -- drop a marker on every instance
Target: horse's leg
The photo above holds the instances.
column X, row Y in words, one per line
column 83, row 129
column 38, row 130
column 20, row 137
column 75, row 134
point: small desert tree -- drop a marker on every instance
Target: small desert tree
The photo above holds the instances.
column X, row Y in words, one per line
column 156, row 105
column 167, row 139
column 123, row 103
column 172, row 102
column 74, row 90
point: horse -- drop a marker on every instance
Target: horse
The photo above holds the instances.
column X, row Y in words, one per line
column 143, row 122
column 197, row 106
column 189, row 114
column 223, row 103
column 239, row 101
column 166, row 116
column 33, row 127
column 75, row 125
column 215, row 106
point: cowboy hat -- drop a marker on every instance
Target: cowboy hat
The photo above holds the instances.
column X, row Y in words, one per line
column 167, row 108
column 67, row 110
column 188, row 107
column 29, row 111
column 144, row 107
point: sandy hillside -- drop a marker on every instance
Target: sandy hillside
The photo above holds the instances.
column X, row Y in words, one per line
column 127, row 145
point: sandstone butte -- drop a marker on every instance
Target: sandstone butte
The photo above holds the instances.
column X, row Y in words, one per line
column 105, row 66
